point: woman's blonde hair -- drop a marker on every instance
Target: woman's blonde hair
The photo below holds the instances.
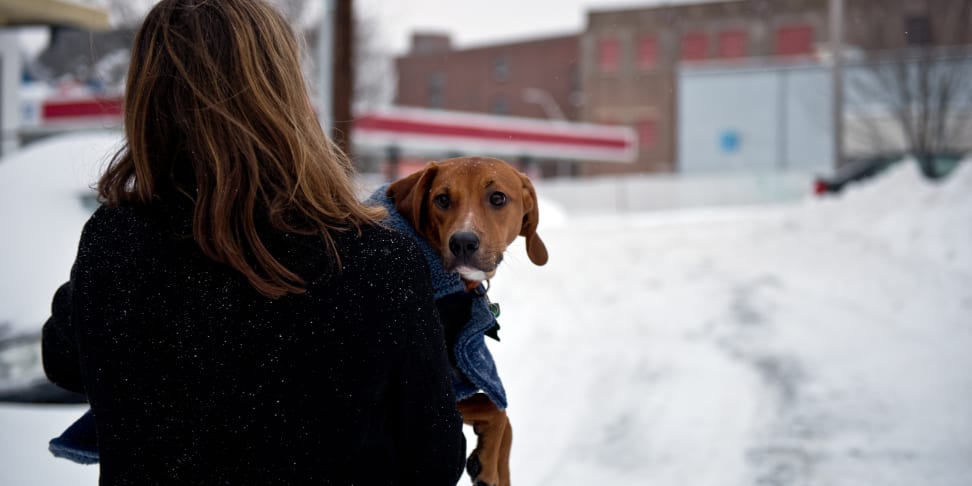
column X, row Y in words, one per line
column 217, row 111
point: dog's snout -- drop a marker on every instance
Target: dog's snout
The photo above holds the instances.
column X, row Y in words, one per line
column 463, row 243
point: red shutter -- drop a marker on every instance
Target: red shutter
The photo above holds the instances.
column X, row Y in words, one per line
column 609, row 55
column 732, row 44
column 694, row 47
column 647, row 52
column 647, row 134
column 794, row 40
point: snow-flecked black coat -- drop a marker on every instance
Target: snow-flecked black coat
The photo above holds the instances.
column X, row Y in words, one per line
column 195, row 378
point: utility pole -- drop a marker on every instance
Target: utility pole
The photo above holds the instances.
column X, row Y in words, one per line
column 325, row 67
column 10, row 69
column 837, row 73
column 335, row 46
column 343, row 74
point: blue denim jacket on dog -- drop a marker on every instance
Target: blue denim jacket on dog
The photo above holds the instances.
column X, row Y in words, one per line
column 472, row 356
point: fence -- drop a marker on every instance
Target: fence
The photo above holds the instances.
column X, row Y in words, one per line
column 676, row 191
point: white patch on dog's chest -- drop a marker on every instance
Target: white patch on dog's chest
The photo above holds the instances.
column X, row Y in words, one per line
column 471, row 274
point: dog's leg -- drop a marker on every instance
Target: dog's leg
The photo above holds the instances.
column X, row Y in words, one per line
column 490, row 425
column 504, row 456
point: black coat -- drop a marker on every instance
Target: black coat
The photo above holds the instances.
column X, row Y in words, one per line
column 194, row 378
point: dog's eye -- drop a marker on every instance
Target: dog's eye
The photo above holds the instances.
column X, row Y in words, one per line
column 497, row 199
column 442, row 201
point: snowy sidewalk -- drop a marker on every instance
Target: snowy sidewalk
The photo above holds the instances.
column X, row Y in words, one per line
column 823, row 344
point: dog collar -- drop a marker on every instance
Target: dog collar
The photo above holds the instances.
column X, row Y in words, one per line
column 480, row 289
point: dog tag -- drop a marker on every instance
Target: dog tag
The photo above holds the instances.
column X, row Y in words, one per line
column 494, row 309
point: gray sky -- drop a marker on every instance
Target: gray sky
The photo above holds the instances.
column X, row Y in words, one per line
column 470, row 23
column 484, row 22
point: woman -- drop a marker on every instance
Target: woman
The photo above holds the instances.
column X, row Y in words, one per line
column 234, row 314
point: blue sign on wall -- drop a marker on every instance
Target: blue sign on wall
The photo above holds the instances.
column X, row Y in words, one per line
column 729, row 141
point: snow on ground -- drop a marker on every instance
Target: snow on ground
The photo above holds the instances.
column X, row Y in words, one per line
column 826, row 343
column 822, row 343
column 24, row 460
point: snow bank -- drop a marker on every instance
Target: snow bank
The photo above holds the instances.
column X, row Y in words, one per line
column 824, row 343
column 915, row 217
column 43, row 191
column 24, row 460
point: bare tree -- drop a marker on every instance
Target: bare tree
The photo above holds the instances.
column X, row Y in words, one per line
column 123, row 13
column 913, row 86
column 374, row 81
column 292, row 10
column 127, row 13
column 363, row 74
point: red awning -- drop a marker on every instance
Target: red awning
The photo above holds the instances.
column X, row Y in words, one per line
column 436, row 132
column 414, row 132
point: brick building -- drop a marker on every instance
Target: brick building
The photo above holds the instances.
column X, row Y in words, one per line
column 879, row 25
column 534, row 78
column 630, row 60
column 624, row 68
column 621, row 70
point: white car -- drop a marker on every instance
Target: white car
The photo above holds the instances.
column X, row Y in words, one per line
column 46, row 195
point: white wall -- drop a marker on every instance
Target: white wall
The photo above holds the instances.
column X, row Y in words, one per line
column 780, row 114
column 675, row 191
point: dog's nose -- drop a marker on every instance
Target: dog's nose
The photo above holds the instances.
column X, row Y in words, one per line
column 463, row 243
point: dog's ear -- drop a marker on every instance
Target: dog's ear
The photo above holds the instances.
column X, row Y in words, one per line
column 536, row 250
column 411, row 194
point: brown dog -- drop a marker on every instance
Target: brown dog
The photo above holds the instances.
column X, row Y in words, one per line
column 470, row 209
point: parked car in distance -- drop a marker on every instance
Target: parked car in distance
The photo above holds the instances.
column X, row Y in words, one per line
column 862, row 168
column 944, row 164
column 854, row 170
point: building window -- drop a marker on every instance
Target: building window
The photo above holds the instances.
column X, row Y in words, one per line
column 609, row 55
column 436, row 88
column 501, row 68
column 732, row 44
column 574, row 87
column 501, row 106
column 918, row 31
column 608, row 119
column 647, row 52
column 794, row 40
column 647, row 134
column 694, row 46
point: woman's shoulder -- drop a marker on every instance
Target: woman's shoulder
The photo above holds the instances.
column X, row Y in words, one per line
column 124, row 222
column 382, row 249
column 380, row 254
column 107, row 214
column 120, row 233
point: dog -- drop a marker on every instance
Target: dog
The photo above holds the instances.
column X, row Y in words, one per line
column 469, row 210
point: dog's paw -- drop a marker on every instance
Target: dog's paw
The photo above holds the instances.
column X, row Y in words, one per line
column 475, row 468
